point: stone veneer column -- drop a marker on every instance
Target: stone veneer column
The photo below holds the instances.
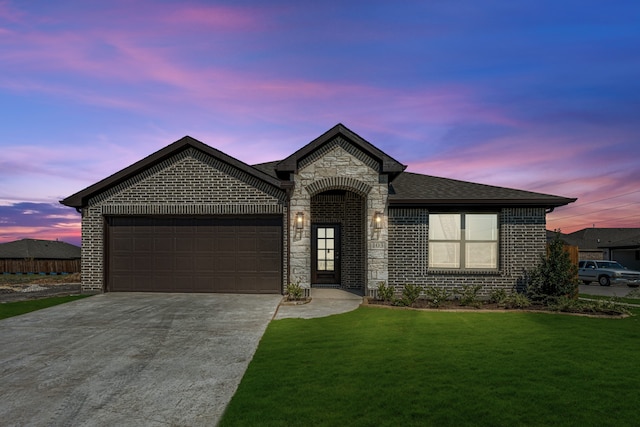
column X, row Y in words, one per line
column 336, row 168
column 377, row 239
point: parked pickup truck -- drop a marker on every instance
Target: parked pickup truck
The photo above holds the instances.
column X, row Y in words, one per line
column 607, row 273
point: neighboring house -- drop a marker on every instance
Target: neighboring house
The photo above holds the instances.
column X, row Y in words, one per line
column 39, row 256
column 587, row 247
column 619, row 244
column 336, row 213
column 626, row 251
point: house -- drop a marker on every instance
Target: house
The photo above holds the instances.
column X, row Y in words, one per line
column 619, row 244
column 338, row 212
column 39, row 256
column 625, row 251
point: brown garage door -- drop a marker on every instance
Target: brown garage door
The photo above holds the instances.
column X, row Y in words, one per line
column 159, row 254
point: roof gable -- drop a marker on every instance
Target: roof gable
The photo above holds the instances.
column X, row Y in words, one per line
column 81, row 198
column 388, row 165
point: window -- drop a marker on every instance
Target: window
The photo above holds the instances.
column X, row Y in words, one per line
column 463, row 241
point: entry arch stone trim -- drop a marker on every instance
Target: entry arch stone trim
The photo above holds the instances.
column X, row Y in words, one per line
column 339, row 183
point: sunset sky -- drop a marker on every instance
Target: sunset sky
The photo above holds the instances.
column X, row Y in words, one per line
column 537, row 95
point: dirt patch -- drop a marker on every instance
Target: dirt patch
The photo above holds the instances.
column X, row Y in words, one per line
column 26, row 287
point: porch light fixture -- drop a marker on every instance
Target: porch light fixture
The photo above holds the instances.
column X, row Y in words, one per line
column 299, row 220
column 377, row 220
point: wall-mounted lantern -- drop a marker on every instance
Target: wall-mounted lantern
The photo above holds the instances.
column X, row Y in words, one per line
column 299, row 220
column 377, row 220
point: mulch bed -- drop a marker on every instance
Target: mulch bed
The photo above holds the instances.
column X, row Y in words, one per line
column 454, row 305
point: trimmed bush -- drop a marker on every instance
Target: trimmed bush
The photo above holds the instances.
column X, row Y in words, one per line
column 385, row 292
column 555, row 275
column 294, row 291
column 410, row 295
column 468, row 295
column 436, row 295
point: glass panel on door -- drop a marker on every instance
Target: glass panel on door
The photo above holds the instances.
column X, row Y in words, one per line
column 326, row 251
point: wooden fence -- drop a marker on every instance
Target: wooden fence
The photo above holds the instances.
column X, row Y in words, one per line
column 47, row 266
column 573, row 253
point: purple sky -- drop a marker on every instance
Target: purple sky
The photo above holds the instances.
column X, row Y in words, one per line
column 537, row 95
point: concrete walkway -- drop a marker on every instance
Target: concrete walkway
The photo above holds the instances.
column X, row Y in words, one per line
column 324, row 302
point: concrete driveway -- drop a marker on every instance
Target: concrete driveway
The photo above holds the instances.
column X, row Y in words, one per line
column 129, row 359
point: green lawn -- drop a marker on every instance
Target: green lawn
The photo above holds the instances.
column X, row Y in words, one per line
column 10, row 309
column 375, row 367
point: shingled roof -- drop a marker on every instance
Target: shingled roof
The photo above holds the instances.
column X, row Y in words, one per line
column 412, row 189
column 594, row 238
column 39, row 249
column 406, row 189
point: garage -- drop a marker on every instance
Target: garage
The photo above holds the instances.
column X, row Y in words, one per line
column 194, row 254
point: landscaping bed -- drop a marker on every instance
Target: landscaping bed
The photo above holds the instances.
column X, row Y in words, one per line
column 604, row 308
column 467, row 298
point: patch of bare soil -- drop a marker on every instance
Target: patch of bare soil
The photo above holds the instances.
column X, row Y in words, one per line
column 16, row 287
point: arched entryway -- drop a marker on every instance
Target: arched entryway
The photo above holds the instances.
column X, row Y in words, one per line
column 338, row 239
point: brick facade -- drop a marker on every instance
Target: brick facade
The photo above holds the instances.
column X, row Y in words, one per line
column 522, row 239
column 188, row 183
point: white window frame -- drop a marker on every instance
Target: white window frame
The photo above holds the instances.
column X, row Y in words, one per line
column 448, row 231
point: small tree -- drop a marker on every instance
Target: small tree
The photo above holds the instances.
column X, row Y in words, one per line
column 555, row 276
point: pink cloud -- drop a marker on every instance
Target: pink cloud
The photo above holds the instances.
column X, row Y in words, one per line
column 47, row 221
column 218, row 17
column 131, row 56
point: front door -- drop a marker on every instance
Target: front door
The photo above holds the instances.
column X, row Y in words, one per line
column 325, row 258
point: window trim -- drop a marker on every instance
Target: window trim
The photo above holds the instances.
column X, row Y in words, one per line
column 462, row 243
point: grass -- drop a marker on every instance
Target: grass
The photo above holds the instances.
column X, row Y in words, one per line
column 11, row 309
column 382, row 367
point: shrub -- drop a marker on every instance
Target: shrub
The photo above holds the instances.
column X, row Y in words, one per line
column 385, row 292
column 294, row 291
column 468, row 296
column 516, row 300
column 555, row 275
column 498, row 296
column 410, row 294
column 436, row 295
